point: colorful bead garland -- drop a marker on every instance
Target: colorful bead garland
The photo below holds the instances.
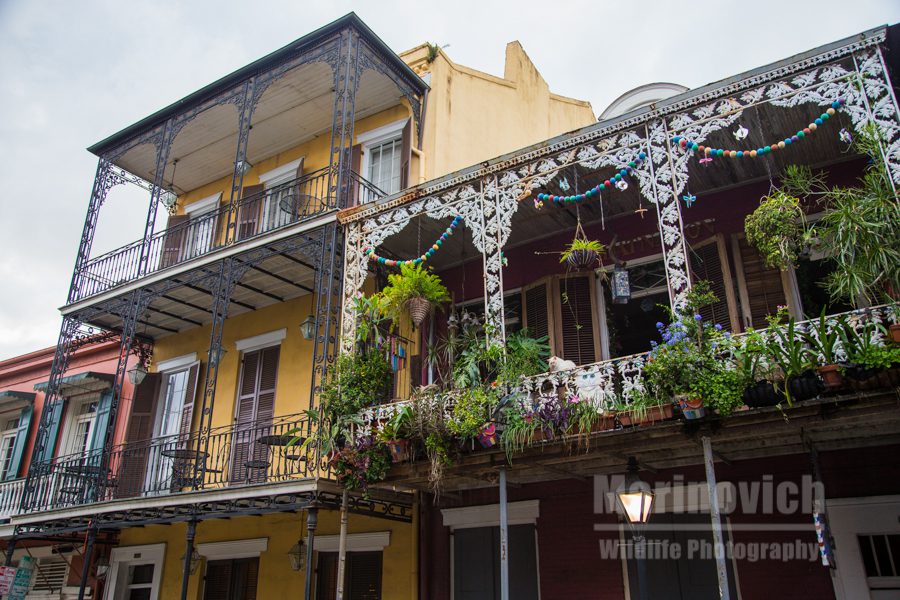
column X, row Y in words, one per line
column 707, row 151
column 370, row 252
column 594, row 191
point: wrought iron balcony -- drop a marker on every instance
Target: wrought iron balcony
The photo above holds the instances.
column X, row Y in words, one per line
column 273, row 209
column 237, row 455
column 617, row 382
column 10, row 498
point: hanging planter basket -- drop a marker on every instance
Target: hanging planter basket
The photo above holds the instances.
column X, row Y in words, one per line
column 418, row 308
column 582, row 259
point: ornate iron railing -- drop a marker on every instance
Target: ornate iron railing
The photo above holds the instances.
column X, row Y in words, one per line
column 232, row 456
column 616, row 382
column 272, row 209
column 11, row 497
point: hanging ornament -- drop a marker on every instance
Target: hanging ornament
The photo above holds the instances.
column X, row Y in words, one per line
column 622, row 184
column 640, row 209
column 689, row 199
column 503, row 260
column 706, row 151
column 595, row 191
column 370, row 252
column 845, row 136
column 740, row 133
column 706, row 159
column 564, row 184
column 538, row 203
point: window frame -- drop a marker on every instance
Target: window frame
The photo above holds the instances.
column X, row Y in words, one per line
column 376, row 137
column 123, row 557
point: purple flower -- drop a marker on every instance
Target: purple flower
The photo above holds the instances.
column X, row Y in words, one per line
column 698, row 318
column 659, row 325
column 718, row 327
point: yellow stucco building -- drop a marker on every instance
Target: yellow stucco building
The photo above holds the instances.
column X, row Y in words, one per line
column 239, row 298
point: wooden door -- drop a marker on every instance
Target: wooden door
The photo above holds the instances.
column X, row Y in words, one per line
column 253, row 415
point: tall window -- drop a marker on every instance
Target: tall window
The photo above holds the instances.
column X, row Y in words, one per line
column 7, row 446
column 85, row 417
column 362, row 579
column 476, row 563
column 384, row 165
column 234, row 579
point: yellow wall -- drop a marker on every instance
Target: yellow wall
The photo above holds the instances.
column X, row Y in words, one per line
column 276, row 579
column 295, row 359
column 317, row 153
column 473, row 116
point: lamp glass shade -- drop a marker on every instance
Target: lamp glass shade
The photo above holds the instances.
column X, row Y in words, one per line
column 216, row 357
column 637, row 505
column 137, row 374
column 297, row 556
column 308, row 328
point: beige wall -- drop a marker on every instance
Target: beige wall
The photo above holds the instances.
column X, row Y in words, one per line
column 473, row 116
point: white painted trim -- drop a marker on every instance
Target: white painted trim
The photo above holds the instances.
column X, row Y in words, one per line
column 380, row 134
column 123, row 556
column 263, row 340
column 203, row 205
column 233, row 549
column 356, row 542
column 176, row 363
column 525, row 512
column 271, row 177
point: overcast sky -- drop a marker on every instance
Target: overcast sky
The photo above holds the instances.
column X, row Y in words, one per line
column 72, row 73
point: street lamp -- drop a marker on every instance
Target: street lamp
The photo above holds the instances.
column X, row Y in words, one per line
column 308, row 328
column 137, row 373
column 297, row 555
column 635, row 495
column 636, row 499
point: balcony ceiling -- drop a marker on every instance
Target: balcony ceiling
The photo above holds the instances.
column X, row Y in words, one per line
column 278, row 278
column 293, row 110
column 530, row 224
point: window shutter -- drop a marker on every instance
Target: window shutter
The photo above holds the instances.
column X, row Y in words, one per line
column 246, row 575
column 326, row 575
column 707, row 264
column 15, row 463
column 364, row 576
column 101, row 424
column 405, row 154
column 55, row 418
column 537, row 311
column 217, row 580
column 577, row 329
column 248, row 211
column 762, row 290
column 173, row 241
column 256, row 405
column 140, row 431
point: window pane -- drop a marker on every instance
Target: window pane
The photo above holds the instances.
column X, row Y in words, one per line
column 142, row 574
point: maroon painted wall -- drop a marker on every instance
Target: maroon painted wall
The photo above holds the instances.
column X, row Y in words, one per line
column 568, row 546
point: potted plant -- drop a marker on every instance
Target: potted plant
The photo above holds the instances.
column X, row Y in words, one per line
column 361, row 464
column 643, row 408
column 868, row 356
column 894, row 328
column 582, row 253
column 519, row 428
column 776, row 229
column 755, row 371
column 691, row 357
column 394, row 433
column 472, row 414
column 823, row 336
column 414, row 290
column 430, row 426
column 794, row 358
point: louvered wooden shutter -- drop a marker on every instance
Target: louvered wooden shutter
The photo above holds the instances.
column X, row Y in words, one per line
column 53, row 433
column 709, row 262
column 537, row 313
column 18, row 450
column 187, row 412
column 173, row 241
column 578, row 329
column 326, row 576
column 248, row 213
column 218, row 580
column 364, row 576
column 762, row 290
column 256, row 407
column 140, row 430
column 405, row 154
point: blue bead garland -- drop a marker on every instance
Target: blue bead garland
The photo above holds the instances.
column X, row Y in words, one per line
column 707, row 151
column 370, row 252
column 594, row 191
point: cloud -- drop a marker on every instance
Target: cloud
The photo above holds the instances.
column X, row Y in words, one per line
column 75, row 72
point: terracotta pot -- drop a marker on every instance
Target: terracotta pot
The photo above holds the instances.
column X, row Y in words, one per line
column 582, row 259
column 418, row 308
column 605, row 423
column 654, row 414
column 399, row 450
column 895, row 332
column 763, row 393
column 832, row 377
column 691, row 408
column 889, row 378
